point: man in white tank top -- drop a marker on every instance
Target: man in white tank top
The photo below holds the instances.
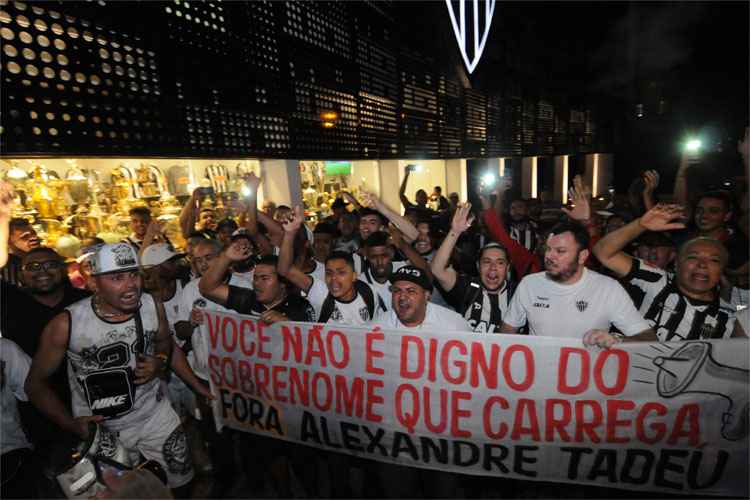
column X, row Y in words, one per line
column 118, row 343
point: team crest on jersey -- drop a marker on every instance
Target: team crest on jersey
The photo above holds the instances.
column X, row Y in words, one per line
column 581, row 305
column 364, row 314
column 336, row 314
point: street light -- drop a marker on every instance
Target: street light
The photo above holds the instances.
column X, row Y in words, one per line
column 693, row 145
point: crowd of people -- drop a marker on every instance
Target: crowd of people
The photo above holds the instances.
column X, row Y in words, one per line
column 115, row 338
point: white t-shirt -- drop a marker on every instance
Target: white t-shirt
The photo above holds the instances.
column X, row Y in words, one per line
column 319, row 273
column 191, row 297
column 383, row 289
column 15, row 368
column 171, row 308
column 351, row 313
column 555, row 310
column 242, row 280
column 436, row 319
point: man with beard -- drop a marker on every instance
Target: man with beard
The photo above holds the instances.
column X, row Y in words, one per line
column 521, row 228
column 22, row 238
column 482, row 301
column 569, row 300
column 45, row 293
column 686, row 306
column 117, row 343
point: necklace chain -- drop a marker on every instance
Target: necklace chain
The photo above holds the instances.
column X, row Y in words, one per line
column 98, row 309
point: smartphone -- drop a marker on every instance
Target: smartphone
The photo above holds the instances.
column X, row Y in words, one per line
column 206, row 191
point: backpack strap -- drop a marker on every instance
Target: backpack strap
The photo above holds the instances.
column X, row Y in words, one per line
column 363, row 290
column 368, row 296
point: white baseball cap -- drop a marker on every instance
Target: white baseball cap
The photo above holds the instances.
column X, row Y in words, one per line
column 113, row 258
column 157, row 253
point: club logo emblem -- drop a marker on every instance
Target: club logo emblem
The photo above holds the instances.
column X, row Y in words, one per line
column 581, row 305
column 460, row 28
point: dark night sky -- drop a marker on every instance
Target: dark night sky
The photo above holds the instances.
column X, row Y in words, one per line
column 700, row 49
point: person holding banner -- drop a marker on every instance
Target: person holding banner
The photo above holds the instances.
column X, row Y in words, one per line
column 686, row 306
column 482, row 301
column 411, row 308
column 270, row 300
column 117, row 343
column 569, row 300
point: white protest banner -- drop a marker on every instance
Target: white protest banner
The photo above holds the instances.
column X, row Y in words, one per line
column 669, row 417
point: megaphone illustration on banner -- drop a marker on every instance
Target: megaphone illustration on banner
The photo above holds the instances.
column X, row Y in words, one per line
column 692, row 369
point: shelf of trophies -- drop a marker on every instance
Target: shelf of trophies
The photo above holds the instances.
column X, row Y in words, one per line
column 70, row 200
column 324, row 181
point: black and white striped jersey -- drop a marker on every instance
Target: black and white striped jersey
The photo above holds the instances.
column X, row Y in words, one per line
column 673, row 315
column 483, row 310
column 525, row 236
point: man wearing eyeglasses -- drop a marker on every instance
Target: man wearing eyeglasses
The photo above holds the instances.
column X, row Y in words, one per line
column 45, row 293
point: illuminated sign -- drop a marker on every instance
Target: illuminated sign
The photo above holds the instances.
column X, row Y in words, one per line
column 459, row 29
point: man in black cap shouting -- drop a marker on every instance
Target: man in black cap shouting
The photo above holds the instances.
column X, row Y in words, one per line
column 411, row 307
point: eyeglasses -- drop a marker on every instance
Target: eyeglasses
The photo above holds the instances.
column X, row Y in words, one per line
column 38, row 266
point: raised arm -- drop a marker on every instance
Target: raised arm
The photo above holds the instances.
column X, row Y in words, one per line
column 402, row 223
column 211, row 284
column 681, row 195
column 402, row 190
column 275, row 231
column 651, row 182
column 286, row 252
column 153, row 235
column 263, row 244
column 609, row 250
column 189, row 213
column 351, row 199
column 397, row 239
column 446, row 275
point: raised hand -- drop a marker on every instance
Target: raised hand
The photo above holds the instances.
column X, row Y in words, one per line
column 349, row 198
column 295, row 220
column 462, row 219
column 238, row 250
column 252, row 181
column 662, row 218
column 369, row 200
column 650, row 180
column 580, row 196
column 397, row 237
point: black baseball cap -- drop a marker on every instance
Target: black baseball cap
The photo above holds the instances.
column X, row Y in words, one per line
column 412, row 274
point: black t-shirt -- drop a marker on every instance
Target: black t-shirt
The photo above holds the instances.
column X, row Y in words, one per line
column 244, row 301
column 482, row 309
column 22, row 320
